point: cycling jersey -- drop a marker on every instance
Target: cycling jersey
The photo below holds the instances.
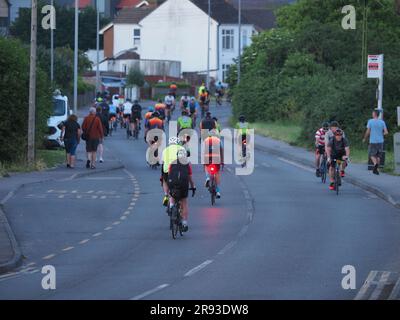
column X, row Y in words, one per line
column 127, row 108
column 185, row 122
column 338, row 147
column 170, row 155
column 185, row 102
column 136, row 111
column 212, row 150
column 207, row 124
column 242, row 127
column 320, row 137
column 113, row 109
column 193, row 107
column 169, row 101
column 160, row 107
column 155, row 123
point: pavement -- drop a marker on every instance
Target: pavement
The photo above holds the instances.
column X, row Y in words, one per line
column 10, row 254
column 275, row 234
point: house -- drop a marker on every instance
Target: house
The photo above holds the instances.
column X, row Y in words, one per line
column 4, row 17
column 177, row 30
column 15, row 6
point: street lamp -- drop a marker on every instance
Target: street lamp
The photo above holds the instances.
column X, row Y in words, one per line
column 76, row 58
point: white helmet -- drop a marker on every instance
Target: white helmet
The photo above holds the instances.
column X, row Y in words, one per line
column 174, row 140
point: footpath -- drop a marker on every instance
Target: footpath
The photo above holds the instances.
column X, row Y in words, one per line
column 10, row 254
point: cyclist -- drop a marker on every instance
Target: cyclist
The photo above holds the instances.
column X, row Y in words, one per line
column 217, row 125
column 127, row 110
column 155, row 122
column 213, row 154
column 160, row 108
column 148, row 114
column 172, row 88
column 330, row 134
column 219, row 92
column 184, row 103
column 179, row 178
column 320, row 146
column 136, row 116
column 208, row 123
column 201, row 88
column 204, row 99
column 338, row 149
column 169, row 105
column 193, row 107
column 113, row 115
column 184, row 121
column 169, row 156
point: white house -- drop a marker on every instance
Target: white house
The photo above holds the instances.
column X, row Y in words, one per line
column 177, row 30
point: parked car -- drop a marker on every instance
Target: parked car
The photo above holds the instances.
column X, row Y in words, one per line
column 60, row 113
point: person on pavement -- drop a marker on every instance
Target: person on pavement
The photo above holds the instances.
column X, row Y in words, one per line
column 376, row 131
column 70, row 134
column 320, row 146
column 338, row 149
column 213, row 155
column 93, row 129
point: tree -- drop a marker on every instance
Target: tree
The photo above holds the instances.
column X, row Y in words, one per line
column 135, row 77
column 64, row 33
column 14, row 86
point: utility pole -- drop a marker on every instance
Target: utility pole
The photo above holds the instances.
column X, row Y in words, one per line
column 32, row 86
column 208, row 44
column 76, row 58
column 52, row 46
column 97, row 48
column 240, row 41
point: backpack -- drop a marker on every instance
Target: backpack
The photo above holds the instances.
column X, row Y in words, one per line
column 192, row 108
column 178, row 179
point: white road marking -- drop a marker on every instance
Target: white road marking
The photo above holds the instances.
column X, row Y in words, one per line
column 243, row 231
column 105, row 178
column 61, row 196
column 122, row 218
column 130, row 208
column 103, row 197
column 74, row 191
column 147, row 293
column 264, row 164
column 7, row 197
column 68, row 249
column 31, row 264
column 84, row 241
column 198, row 268
column 107, row 229
column 116, row 223
column 97, row 234
column 229, row 246
column 50, row 256
column 297, row 165
column 50, row 191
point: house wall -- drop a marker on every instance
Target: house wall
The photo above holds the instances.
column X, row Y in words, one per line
column 16, row 4
column 177, row 30
column 123, row 37
column 226, row 56
column 148, row 67
column 3, row 9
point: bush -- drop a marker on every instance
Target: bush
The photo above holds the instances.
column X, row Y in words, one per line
column 14, row 97
column 180, row 85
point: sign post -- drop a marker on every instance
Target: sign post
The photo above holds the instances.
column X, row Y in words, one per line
column 375, row 71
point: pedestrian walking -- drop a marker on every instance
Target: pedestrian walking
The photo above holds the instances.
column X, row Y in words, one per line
column 376, row 131
column 70, row 134
column 93, row 132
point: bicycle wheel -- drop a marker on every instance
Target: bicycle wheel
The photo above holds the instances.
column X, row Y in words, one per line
column 337, row 180
column 323, row 170
column 212, row 191
column 174, row 222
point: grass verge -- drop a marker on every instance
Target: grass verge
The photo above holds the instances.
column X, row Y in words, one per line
column 291, row 133
column 45, row 159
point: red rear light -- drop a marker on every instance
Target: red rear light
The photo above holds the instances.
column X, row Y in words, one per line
column 244, row 142
column 212, row 169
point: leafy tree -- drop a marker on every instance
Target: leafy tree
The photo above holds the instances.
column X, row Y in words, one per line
column 135, row 77
column 65, row 24
column 14, row 93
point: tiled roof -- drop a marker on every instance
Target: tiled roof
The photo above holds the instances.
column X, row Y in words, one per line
column 132, row 15
column 221, row 11
column 262, row 19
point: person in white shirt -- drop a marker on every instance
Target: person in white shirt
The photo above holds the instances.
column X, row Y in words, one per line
column 170, row 105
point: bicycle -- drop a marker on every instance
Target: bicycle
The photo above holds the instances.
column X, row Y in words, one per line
column 112, row 125
column 338, row 178
column 212, row 186
column 175, row 213
column 323, row 169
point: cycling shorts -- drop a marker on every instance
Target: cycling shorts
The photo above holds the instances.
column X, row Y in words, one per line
column 320, row 150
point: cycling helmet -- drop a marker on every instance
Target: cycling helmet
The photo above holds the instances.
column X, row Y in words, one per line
column 99, row 99
column 213, row 133
column 334, row 124
column 174, row 140
column 242, row 118
column 338, row 132
column 325, row 125
column 135, row 101
column 159, row 101
column 193, row 98
column 155, row 114
column 128, row 99
column 151, row 109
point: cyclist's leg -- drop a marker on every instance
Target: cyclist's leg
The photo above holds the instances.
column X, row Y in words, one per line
column 185, row 208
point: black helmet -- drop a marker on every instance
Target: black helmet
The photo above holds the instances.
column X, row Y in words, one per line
column 325, row 125
column 242, row 118
column 135, row 101
column 159, row 101
column 334, row 124
column 155, row 114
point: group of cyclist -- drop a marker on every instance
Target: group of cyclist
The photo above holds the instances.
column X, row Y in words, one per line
column 331, row 142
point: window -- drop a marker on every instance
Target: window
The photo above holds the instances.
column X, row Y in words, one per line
column 136, row 36
column 225, row 71
column 227, row 39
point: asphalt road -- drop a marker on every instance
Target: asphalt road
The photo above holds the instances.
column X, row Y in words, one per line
column 275, row 234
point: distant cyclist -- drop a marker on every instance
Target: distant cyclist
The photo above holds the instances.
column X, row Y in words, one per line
column 193, row 107
column 169, row 102
column 213, row 154
column 320, row 146
column 184, row 103
column 184, row 121
column 160, row 108
column 136, row 116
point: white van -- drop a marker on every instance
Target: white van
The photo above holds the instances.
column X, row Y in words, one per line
column 60, row 113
